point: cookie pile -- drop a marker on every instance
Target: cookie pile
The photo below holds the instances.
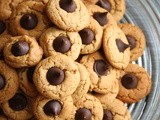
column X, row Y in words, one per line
column 69, row 60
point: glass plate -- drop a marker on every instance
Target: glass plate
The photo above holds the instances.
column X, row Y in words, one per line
column 146, row 15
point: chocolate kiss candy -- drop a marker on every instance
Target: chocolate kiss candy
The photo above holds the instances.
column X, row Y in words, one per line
column 52, row 108
column 101, row 18
column 20, row 48
column 29, row 21
column 129, row 81
column 83, row 114
column 68, row 5
column 107, row 115
column 121, row 45
column 87, row 36
column 104, row 4
column 132, row 41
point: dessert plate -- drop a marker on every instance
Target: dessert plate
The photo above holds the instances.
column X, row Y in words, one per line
column 146, row 15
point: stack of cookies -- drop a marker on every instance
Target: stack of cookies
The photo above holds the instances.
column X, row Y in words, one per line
column 69, row 60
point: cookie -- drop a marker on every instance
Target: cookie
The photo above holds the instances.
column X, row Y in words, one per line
column 136, row 39
column 102, row 74
column 51, row 109
column 54, row 41
column 69, row 15
column 6, row 8
column 88, row 108
column 26, row 81
column 102, row 16
column 115, row 7
column 9, row 83
column 84, row 83
column 18, row 107
column 56, row 76
column 115, row 110
column 110, row 96
column 28, row 19
column 135, row 84
column 22, row 51
column 91, row 37
column 116, row 47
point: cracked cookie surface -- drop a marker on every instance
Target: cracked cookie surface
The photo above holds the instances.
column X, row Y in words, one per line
column 54, row 41
column 68, row 15
column 136, row 39
column 56, row 76
column 135, row 83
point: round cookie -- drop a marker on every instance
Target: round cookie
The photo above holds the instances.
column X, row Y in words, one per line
column 69, row 15
column 88, row 108
column 56, row 76
column 102, row 16
column 116, row 47
column 22, row 51
column 18, row 107
column 115, row 110
column 91, row 37
column 6, row 8
column 28, row 19
column 136, row 39
column 9, row 83
column 109, row 96
column 26, row 81
column 115, row 7
column 54, row 41
column 51, row 109
column 102, row 74
column 135, row 84
column 84, row 83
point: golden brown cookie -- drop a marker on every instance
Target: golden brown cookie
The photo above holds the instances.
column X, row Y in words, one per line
column 69, row 15
column 115, row 7
column 51, row 109
column 54, row 41
column 9, row 83
column 56, row 76
column 28, row 19
column 136, row 39
column 102, row 74
column 88, row 107
column 135, row 84
column 18, row 107
column 26, row 81
column 84, row 83
column 91, row 37
column 22, row 51
column 102, row 16
column 115, row 110
column 116, row 47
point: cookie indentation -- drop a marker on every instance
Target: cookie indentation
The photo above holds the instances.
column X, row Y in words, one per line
column 30, row 72
column 129, row 81
column 52, row 108
column 20, row 48
column 101, row 18
column 68, row 5
column 132, row 41
column 104, row 4
column 83, row 114
column 2, row 82
column 107, row 115
column 62, row 44
column 29, row 21
column 2, row 27
column 18, row 102
column 100, row 67
column 121, row 45
column 87, row 36
column 55, row 76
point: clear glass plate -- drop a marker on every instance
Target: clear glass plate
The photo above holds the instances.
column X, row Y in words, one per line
column 146, row 15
